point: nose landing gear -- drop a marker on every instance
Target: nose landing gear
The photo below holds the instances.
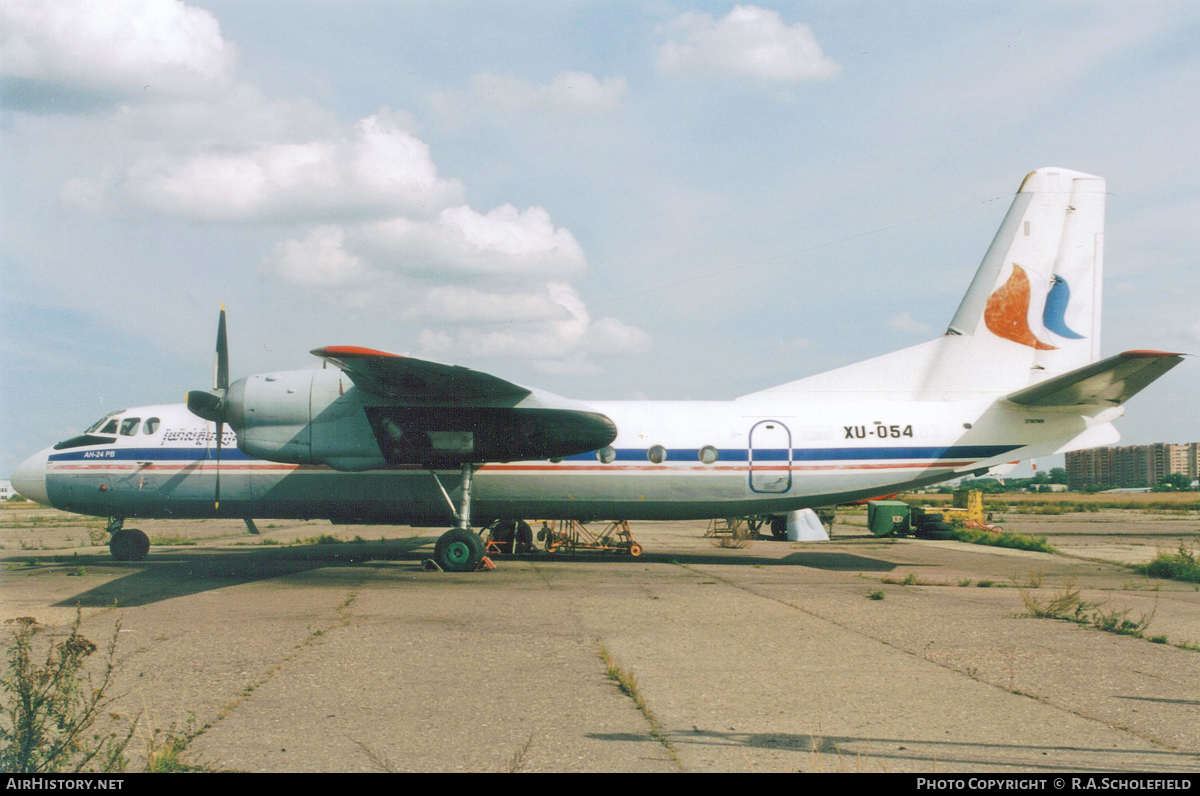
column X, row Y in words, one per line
column 126, row 544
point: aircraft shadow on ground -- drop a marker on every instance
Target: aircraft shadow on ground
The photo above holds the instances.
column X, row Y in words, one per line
column 840, row 562
column 174, row 573
column 874, row 754
column 178, row 573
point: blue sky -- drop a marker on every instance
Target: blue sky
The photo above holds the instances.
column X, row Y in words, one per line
column 660, row 199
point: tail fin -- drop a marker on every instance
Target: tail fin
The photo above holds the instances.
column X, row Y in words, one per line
column 1039, row 286
column 1031, row 312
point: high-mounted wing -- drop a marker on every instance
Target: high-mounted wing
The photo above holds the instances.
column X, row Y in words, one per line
column 1110, row 381
column 429, row 413
column 418, row 380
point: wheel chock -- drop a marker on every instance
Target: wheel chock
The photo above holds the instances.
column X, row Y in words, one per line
column 485, row 563
column 429, row 565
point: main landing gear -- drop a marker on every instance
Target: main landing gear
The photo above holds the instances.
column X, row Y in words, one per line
column 126, row 544
column 459, row 549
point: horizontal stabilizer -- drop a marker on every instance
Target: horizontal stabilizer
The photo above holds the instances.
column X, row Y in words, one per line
column 418, row 380
column 1110, row 381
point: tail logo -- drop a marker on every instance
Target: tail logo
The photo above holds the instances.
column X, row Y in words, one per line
column 1007, row 312
column 1054, row 317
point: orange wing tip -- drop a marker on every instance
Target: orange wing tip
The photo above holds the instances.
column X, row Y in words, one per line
column 352, row 351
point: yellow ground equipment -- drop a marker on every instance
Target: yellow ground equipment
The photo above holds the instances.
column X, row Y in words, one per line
column 966, row 509
column 966, row 506
column 563, row 535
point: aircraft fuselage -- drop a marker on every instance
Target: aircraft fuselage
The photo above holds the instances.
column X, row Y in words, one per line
column 670, row 460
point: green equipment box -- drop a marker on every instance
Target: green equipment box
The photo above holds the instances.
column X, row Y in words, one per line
column 888, row 517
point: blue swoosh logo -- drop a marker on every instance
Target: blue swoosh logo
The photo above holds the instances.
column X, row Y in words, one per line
column 1054, row 316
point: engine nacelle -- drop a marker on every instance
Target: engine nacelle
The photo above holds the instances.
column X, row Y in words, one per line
column 303, row 417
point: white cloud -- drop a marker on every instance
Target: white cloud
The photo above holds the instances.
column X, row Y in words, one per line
column 320, row 260
column 570, row 92
column 130, row 48
column 475, row 282
column 505, row 240
column 904, row 322
column 460, row 304
column 378, row 169
column 558, row 334
column 748, row 42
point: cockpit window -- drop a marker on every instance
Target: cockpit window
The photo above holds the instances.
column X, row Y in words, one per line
column 150, row 426
column 129, row 426
column 95, row 426
column 110, row 427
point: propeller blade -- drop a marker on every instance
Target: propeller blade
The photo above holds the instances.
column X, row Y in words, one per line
column 221, row 366
column 220, row 433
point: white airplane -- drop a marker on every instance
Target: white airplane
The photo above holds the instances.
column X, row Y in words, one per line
column 384, row 438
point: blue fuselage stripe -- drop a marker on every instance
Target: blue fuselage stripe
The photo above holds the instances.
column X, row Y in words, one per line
column 623, row 454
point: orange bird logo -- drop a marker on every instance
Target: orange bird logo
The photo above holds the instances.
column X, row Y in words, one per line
column 1007, row 312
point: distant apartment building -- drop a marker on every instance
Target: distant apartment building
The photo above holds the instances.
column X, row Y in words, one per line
column 6, row 490
column 1132, row 465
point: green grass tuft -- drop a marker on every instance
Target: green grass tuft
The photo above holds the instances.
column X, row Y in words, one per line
column 1017, row 541
column 1180, row 565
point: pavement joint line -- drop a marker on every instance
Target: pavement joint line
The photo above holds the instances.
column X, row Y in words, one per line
column 627, row 683
column 342, row 620
column 1039, row 699
column 615, row 673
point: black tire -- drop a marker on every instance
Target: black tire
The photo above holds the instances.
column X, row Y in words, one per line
column 503, row 531
column 129, row 544
column 937, row 530
column 779, row 527
column 458, row 550
column 524, row 538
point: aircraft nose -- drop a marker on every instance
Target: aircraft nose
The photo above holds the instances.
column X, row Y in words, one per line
column 29, row 479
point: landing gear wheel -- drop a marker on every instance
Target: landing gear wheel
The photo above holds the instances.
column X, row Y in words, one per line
column 524, row 538
column 779, row 527
column 458, row 550
column 129, row 544
column 501, row 532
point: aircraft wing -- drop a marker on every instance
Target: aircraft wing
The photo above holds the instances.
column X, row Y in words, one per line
column 1110, row 381
column 418, row 380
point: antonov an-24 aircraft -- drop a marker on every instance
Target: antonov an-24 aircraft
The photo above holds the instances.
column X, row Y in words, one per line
column 384, row 438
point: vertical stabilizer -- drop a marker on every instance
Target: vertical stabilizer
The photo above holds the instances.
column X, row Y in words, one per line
column 1037, row 293
column 1032, row 311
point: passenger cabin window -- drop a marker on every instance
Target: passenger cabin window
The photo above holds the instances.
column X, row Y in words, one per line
column 150, row 426
column 657, row 454
column 129, row 426
column 708, row 454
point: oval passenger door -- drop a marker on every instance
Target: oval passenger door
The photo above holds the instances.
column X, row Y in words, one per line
column 770, row 457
